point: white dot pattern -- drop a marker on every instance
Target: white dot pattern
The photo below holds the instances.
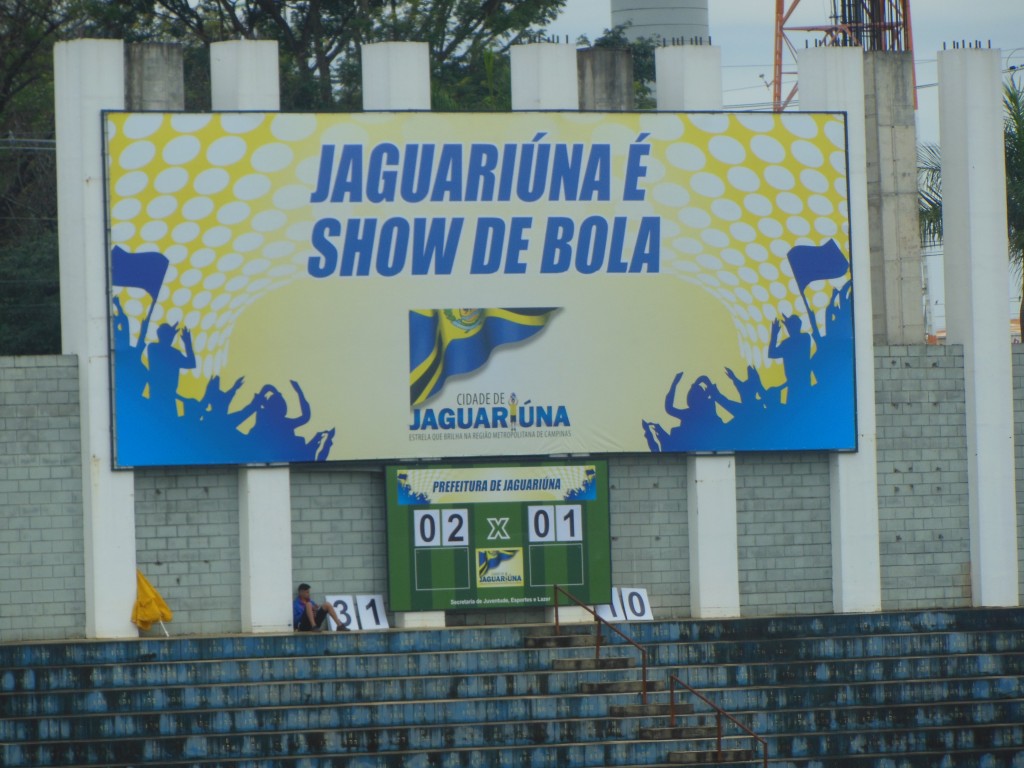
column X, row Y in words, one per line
column 226, row 199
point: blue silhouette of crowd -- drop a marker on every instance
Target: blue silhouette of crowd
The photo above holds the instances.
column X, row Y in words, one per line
column 158, row 425
column 813, row 408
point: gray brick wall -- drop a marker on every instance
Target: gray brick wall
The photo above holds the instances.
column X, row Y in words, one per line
column 187, row 520
column 650, row 545
column 186, row 530
column 41, row 537
column 783, row 532
column 922, row 477
column 338, row 530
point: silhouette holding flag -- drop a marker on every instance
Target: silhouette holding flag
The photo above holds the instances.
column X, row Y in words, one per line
column 149, row 608
column 813, row 407
column 145, row 270
column 449, row 342
column 811, row 263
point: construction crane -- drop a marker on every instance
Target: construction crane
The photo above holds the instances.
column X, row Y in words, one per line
column 874, row 25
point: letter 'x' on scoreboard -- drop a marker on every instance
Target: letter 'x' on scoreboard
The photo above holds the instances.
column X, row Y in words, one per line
column 499, row 529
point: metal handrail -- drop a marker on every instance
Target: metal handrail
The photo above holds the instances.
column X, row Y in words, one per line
column 600, row 621
column 719, row 714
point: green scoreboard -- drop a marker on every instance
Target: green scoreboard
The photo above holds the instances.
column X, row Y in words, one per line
column 497, row 536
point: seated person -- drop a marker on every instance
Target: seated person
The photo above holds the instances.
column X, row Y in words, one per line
column 307, row 616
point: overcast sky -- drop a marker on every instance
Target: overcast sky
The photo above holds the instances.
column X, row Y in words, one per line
column 744, row 31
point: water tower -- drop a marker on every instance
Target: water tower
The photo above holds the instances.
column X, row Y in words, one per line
column 680, row 20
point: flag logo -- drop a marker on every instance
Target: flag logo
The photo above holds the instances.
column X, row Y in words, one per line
column 499, row 567
column 451, row 342
column 464, row 319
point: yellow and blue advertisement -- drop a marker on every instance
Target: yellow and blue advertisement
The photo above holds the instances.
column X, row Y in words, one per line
column 307, row 288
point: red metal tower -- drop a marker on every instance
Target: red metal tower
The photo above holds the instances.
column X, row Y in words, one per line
column 875, row 25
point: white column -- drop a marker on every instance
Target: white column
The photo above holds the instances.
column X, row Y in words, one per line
column 244, row 75
column 690, row 77
column 265, row 541
column 711, row 524
column 975, row 255
column 544, row 77
column 89, row 77
column 832, row 79
column 396, row 76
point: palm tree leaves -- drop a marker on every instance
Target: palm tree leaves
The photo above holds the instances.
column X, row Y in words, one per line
column 1013, row 134
column 929, row 193
column 929, row 184
column 929, row 178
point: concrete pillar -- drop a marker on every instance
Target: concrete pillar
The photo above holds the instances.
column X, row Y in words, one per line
column 154, row 77
column 541, row 77
column 265, row 541
column 154, row 80
column 713, row 532
column 544, row 76
column 832, row 79
column 690, row 78
column 88, row 78
column 975, row 253
column 896, row 269
column 244, row 75
column 396, row 76
column 605, row 79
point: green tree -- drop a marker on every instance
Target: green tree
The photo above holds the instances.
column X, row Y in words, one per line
column 29, row 286
column 929, row 178
column 319, row 40
column 1013, row 134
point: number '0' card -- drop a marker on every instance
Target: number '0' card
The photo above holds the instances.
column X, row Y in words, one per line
column 628, row 604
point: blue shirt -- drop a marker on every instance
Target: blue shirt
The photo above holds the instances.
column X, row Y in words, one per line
column 299, row 610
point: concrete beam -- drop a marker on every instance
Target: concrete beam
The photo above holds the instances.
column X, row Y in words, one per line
column 605, row 79
column 244, row 76
column 88, row 78
column 832, row 79
column 387, row 85
column 155, row 77
column 975, row 250
column 897, row 287
column 541, row 77
column 396, row 76
column 690, row 77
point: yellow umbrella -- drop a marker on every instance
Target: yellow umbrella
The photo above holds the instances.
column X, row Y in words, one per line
column 149, row 606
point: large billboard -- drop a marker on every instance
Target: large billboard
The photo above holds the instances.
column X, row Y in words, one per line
column 297, row 287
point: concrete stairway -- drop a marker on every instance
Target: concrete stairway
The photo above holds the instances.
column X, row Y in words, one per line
column 470, row 697
column 888, row 690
